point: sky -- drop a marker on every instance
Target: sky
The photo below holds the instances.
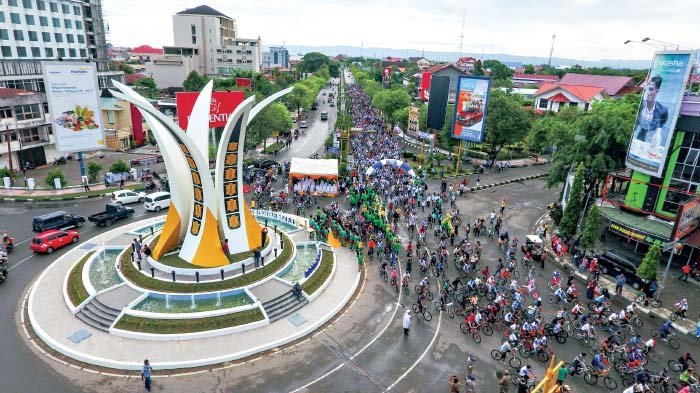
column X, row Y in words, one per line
column 585, row 29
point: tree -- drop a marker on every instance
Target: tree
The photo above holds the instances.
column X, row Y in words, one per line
column 389, row 101
column 55, row 174
column 529, row 69
column 506, row 123
column 93, row 169
column 147, row 86
column 313, row 61
column 274, row 117
column 301, row 97
column 498, row 70
column 650, row 264
column 478, row 69
column 5, row 172
column 224, row 84
column 126, row 68
column 590, row 229
column 119, row 167
column 194, row 82
column 572, row 212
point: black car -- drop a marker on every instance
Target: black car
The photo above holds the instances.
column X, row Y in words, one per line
column 56, row 220
column 612, row 263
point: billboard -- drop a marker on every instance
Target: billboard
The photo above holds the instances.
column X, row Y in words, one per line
column 469, row 120
column 687, row 219
column 413, row 121
column 222, row 105
column 386, row 74
column 425, row 86
column 74, row 102
column 658, row 112
column 437, row 104
column 243, row 82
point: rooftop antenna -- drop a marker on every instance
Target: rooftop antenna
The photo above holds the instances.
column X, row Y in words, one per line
column 461, row 35
column 551, row 50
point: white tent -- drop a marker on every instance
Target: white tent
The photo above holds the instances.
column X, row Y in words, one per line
column 308, row 175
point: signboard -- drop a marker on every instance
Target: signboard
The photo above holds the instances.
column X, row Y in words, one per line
column 243, row 82
column 413, row 120
column 222, row 105
column 658, row 112
column 635, row 234
column 73, row 95
column 425, row 86
column 469, row 120
column 687, row 219
column 386, row 73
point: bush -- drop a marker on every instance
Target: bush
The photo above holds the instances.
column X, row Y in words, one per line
column 119, row 167
column 93, row 169
column 55, row 174
column 650, row 264
column 5, row 172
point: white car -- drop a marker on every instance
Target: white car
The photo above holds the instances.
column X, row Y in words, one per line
column 303, row 124
column 157, row 201
column 127, row 196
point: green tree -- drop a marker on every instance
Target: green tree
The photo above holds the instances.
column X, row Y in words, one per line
column 590, row 229
column 126, row 68
column 5, row 172
column 389, row 101
column 119, row 167
column 55, row 174
column 147, row 87
column 567, row 226
column 529, row 69
column 93, row 169
column 506, row 123
column 301, row 97
column 497, row 69
column 478, row 69
column 224, row 84
column 274, row 117
column 194, row 81
column 650, row 264
column 312, row 62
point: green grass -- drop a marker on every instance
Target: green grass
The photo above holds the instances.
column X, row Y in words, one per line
column 135, row 187
column 323, row 271
column 271, row 148
column 146, row 282
column 175, row 326
column 75, row 287
column 174, row 260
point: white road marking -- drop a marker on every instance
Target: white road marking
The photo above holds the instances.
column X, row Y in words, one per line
column 14, row 265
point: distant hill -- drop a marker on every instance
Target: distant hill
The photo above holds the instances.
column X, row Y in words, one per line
column 452, row 56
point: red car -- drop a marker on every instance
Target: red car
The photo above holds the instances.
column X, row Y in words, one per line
column 470, row 117
column 49, row 241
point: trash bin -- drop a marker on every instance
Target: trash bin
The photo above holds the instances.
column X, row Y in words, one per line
column 30, row 183
column 7, row 182
column 57, row 183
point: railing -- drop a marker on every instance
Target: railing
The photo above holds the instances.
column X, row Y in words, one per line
column 549, row 382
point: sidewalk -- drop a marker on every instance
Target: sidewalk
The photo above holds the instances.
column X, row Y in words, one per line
column 70, row 193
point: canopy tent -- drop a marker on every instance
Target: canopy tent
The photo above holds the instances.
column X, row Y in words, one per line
column 391, row 162
column 309, row 176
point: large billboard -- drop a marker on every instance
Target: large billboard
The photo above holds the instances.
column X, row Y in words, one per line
column 469, row 120
column 687, row 219
column 74, row 103
column 437, row 103
column 222, row 105
column 658, row 111
column 425, row 86
column 413, row 121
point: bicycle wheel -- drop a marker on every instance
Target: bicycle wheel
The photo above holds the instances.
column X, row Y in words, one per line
column 463, row 328
column 496, row 354
column 418, row 289
column 429, row 295
column 438, row 306
column 476, row 336
column 427, row 315
column 627, row 382
column 637, row 322
column 673, row 343
column 655, row 303
column 590, row 378
column 514, row 362
column 640, row 298
column 675, row 365
column 542, row 356
column 674, row 316
column 561, row 338
column 451, row 312
column 487, row 330
column 651, row 355
column 385, row 277
column 609, row 383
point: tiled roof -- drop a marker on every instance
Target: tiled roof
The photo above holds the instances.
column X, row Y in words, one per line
column 202, row 10
column 131, row 79
column 552, row 78
column 584, row 93
column 611, row 83
column 146, row 49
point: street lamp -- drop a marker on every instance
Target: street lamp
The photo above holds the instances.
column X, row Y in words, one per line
column 665, row 44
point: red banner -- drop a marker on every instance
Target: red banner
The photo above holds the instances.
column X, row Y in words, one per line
column 137, row 125
column 222, row 105
column 243, row 82
column 425, row 86
column 386, row 73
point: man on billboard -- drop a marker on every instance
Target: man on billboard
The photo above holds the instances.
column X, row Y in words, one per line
column 653, row 117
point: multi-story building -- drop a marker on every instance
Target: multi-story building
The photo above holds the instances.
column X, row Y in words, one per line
column 211, row 39
column 276, row 57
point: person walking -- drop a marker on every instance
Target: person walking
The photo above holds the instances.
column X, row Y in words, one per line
column 406, row 322
column 86, row 186
column 504, row 382
column 561, row 375
column 454, row 383
column 620, row 280
column 685, row 272
column 146, row 372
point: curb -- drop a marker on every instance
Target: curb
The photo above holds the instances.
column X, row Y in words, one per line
column 51, row 199
column 504, row 182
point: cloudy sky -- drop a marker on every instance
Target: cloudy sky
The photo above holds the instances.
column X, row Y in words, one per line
column 585, row 29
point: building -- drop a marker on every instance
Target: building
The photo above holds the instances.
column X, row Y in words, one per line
column 170, row 71
column 467, row 63
column 276, row 57
column 445, row 69
column 615, row 86
column 555, row 96
column 211, row 39
column 521, row 80
column 25, row 129
column 123, row 124
column 143, row 53
column 421, row 62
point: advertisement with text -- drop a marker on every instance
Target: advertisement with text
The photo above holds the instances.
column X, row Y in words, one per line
column 223, row 104
column 469, row 120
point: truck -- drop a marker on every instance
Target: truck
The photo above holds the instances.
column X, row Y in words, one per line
column 113, row 212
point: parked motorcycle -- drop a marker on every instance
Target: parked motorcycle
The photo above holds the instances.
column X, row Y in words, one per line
column 59, row 161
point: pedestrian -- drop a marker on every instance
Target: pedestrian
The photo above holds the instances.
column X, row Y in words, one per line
column 146, row 372
column 106, row 180
column 478, row 181
column 359, row 261
column 590, row 289
column 86, row 186
column 620, row 280
column 121, row 183
column 454, row 383
column 503, row 205
column 224, row 246
column 406, row 322
column 504, row 382
column 562, row 374
column 685, row 272
column 470, row 384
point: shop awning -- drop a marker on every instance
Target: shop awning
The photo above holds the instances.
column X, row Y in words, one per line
column 636, row 227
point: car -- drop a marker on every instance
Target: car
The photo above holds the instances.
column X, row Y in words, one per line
column 614, row 263
column 157, row 201
column 324, row 115
column 127, row 196
column 49, row 241
column 331, row 103
column 303, row 124
column 469, row 117
column 56, row 220
column 113, row 211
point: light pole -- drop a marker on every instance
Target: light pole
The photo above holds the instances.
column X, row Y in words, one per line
column 672, row 248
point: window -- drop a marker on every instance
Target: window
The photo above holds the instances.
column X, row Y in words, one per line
column 33, row 36
column 70, row 39
column 58, row 37
column 30, row 135
column 194, row 29
column 18, row 34
column 61, row 52
column 48, row 52
column 28, row 112
column 65, row 8
column 81, row 38
column 36, row 52
column 76, row 10
column 83, row 53
column 12, row 3
column 4, row 35
column 46, row 37
column 21, row 51
column 56, row 22
column 194, row 39
column 41, row 5
column 67, row 24
column 71, row 53
column 78, row 25
column 53, row 7
column 542, row 104
column 2, row 17
column 44, row 21
column 110, row 117
column 14, row 18
column 27, row 4
column 6, row 113
column 6, row 51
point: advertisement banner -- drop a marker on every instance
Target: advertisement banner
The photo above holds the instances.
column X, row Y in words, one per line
column 243, row 82
column 222, row 105
column 634, row 234
column 386, row 73
column 74, row 103
column 469, row 119
column 687, row 219
column 658, row 112
column 413, row 120
column 425, row 86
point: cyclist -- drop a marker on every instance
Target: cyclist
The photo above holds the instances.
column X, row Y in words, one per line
column 682, row 308
column 579, row 362
column 394, row 276
column 509, row 317
column 685, row 360
column 526, row 373
column 425, row 284
column 409, row 249
column 556, row 278
column 666, row 329
column 539, row 344
column 505, row 348
column 419, row 302
column 577, row 310
column 470, row 319
column 382, row 268
column 587, row 330
column 405, row 279
column 687, row 377
column 635, row 342
column 600, row 364
column 559, row 293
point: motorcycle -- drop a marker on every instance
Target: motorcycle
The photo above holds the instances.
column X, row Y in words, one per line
column 3, row 272
column 8, row 243
column 59, row 161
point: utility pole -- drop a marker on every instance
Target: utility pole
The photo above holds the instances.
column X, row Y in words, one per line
column 551, row 50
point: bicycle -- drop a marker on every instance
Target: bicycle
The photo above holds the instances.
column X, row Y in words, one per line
column 394, row 283
column 642, row 298
column 513, row 361
column 449, row 308
column 425, row 313
column 670, row 337
column 383, row 274
column 675, row 315
column 515, row 380
column 591, row 376
column 419, row 289
column 474, row 330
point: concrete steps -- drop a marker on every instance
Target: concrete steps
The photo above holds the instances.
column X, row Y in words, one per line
column 97, row 315
column 283, row 305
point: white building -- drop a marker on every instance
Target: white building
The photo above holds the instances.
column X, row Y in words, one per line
column 554, row 97
column 170, row 70
column 211, row 39
column 276, row 57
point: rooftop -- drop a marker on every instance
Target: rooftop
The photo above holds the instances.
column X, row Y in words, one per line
column 584, row 93
column 203, row 10
column 552, row 78
column 611, row 83
column 146, row 49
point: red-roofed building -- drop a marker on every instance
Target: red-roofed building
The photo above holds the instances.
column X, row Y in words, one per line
column 467, row 63
column 614, row 86
column 520, row 80
column 445, row 69
column 131, row 79
column 144, row 53
column 554, row 96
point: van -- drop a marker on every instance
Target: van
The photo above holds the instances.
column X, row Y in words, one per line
column 56, row 220
column 324, row 115
column 157, row 201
